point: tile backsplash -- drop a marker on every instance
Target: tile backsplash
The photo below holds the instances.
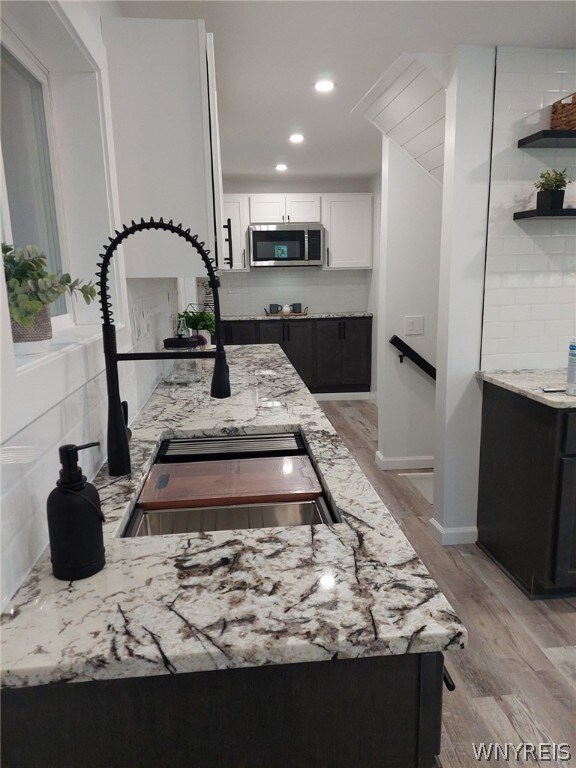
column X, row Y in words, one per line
column 530, row 292
column 29, row 458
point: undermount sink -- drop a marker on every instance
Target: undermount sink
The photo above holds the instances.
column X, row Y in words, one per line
column 155, row 522
column 228, row 483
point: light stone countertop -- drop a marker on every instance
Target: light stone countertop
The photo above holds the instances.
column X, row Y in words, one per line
column 530, row 383
column 309, row 316
column 190, row 602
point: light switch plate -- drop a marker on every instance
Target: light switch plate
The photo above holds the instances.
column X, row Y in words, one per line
column 413, row 325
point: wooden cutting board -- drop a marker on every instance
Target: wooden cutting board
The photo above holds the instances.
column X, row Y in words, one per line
column 230, row 481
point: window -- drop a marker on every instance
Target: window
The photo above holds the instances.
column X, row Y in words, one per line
column 26, row 157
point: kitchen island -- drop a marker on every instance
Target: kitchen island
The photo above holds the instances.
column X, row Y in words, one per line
column 204, row 649
column 527, row 479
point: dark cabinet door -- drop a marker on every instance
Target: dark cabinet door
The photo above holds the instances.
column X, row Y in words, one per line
column 565, row 572
column 328, row 354
column 240, row 332
column 343, row 354
column 299, row 347
column 271, row 331
column 356, row 337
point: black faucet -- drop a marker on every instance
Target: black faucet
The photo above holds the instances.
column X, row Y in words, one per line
column 117, row 443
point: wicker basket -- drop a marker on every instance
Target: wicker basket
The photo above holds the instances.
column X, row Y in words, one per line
column 564, row 114
column 40, row 331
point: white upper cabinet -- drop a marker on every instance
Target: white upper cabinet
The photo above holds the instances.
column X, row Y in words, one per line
column 159, row 89
column 293, row 208
column 235, row 256
column 348, row 220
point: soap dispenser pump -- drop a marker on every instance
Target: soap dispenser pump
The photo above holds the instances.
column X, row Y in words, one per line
column 75, row 520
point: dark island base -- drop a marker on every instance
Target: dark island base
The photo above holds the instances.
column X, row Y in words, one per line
column 382, row 712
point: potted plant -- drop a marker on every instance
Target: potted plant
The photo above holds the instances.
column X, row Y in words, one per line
column 31, row 288
column 551, row 187
column 198, row 321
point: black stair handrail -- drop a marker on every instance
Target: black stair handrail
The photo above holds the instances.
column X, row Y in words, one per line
column 407, row 351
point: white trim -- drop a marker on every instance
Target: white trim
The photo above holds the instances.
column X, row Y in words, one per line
column 319, row 396
column 403, row 462
column 447, row 536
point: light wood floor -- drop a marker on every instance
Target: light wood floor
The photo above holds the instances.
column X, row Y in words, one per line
column 516, row 680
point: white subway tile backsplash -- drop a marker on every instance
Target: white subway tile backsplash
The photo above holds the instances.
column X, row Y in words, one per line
column 498, row 330
column 531, row 296
column 515, row 312
column 500, row 296
column 545, row 311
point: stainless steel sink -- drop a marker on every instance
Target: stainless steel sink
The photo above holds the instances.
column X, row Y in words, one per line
column 160, row 512
column 154, row 522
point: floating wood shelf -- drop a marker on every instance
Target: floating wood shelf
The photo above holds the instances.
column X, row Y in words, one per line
column 560, row 213
column 549, row 139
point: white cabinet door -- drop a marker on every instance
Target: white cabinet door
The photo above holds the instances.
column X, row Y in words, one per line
column 349, row 230
column 161, row 139
column 215, row 155
column 236, row 209
column 267, row 209
column 293, row 208
column 302, row 208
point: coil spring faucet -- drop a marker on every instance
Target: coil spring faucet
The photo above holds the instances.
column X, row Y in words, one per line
column 117, row 441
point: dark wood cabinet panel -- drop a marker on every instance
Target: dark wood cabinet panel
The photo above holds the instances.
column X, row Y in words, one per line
column 330, row 354
column 343, row 354
column 357, row 358
column 527, row 492
column 329, row 350
column 271, row 331
column 240, row 331
column 300, row 348
column 382, row 712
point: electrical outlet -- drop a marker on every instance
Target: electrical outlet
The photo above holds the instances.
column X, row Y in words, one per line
column 413, row 325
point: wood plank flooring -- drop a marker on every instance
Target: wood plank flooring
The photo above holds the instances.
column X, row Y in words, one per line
column 516, row 680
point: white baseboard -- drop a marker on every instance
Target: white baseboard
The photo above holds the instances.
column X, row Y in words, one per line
column 343, row 396
column 404, row 462
column 465, row 535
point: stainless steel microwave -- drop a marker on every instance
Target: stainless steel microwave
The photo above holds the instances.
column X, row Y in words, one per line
column 286, row 245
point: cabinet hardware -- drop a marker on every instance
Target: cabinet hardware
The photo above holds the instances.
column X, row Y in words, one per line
column 327, row 257
column 244, row 258
column 287, row 332
column 228, row 227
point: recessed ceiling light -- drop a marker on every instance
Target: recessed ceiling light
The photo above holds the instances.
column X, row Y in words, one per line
column 324, row 86
column 281, row 167
column 296, row 138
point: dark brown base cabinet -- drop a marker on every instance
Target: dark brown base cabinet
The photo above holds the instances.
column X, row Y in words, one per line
column 527, row 491
column 329, row 354
column 380, row 712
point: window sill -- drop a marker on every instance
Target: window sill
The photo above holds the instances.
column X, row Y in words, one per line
column 63, row 342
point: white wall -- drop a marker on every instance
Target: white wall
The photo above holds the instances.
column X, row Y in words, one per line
column 60, row 397
column 283, row 183
column 469, row 99
column 408, row 275
column 159, row 102
column 318, row 289
column 530, row 299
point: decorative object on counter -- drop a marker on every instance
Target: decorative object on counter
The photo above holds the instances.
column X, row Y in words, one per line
column 563, row 117
column 571, row 372
column 75, row 520
column 200, row 321
column 551, row 187
column 286, row 309
column 117, row 443
column 31, row 289
column 182, row 371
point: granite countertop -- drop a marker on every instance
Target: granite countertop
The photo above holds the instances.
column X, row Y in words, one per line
column 189, row 602
column 530, row 383
column 309, row 315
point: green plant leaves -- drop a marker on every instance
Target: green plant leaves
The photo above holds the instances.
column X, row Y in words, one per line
column 30, row 286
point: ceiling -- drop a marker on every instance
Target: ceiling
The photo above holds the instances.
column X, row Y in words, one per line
column 269, row 53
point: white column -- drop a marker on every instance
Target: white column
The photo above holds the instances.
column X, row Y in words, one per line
column 469, row 108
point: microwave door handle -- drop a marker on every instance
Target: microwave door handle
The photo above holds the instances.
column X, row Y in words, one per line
column 228, row 226
column 305, row 245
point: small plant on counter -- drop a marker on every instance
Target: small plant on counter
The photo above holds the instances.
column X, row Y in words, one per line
column 31, row 287
column 198, row 320
column 552, row 180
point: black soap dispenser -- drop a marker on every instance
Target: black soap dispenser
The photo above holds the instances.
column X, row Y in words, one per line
column 75, row 520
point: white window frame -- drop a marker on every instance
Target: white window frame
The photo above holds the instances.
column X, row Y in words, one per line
column 29, row 61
